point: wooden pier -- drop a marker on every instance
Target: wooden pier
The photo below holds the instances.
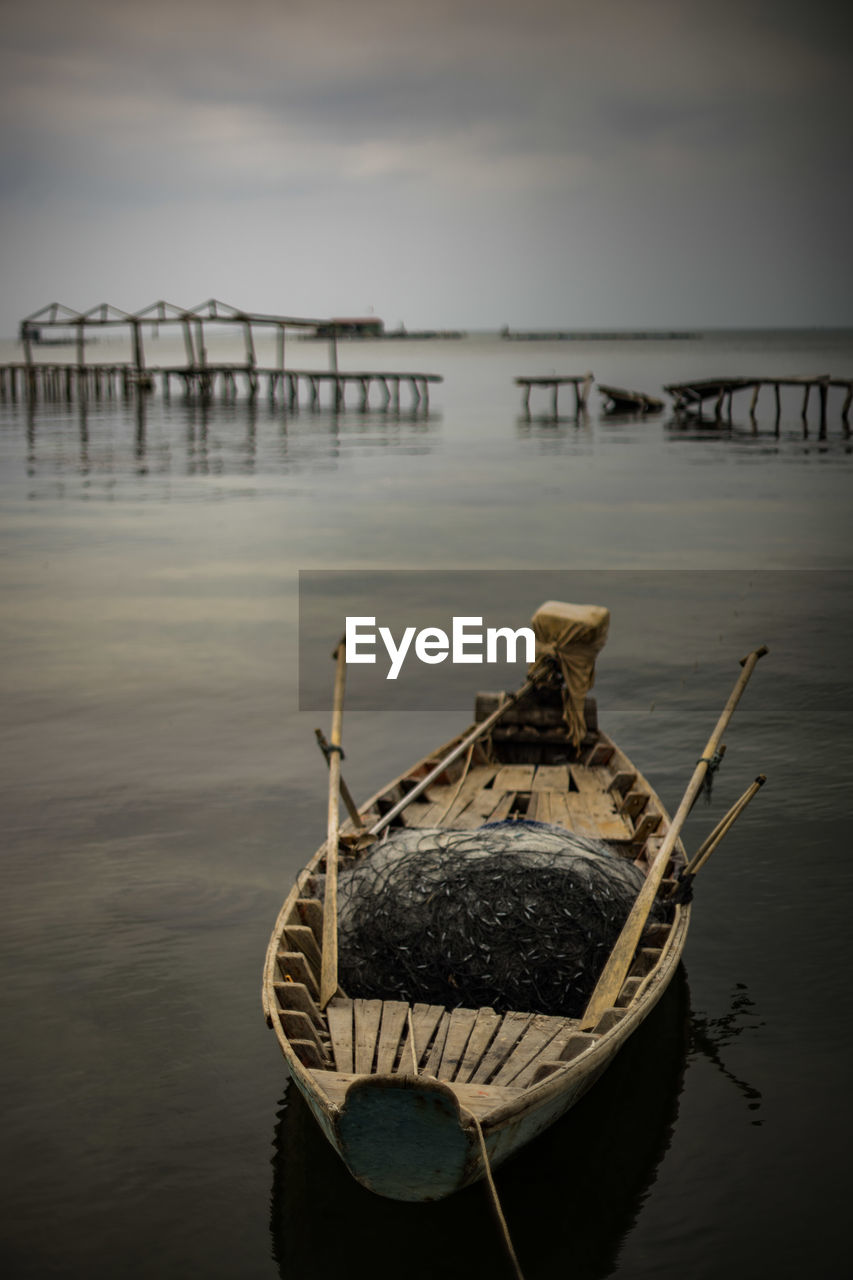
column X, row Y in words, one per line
column 294, row 387
column 581, row 383
column 199, row 378
column 689, row 397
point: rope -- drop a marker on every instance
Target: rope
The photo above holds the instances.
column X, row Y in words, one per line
column 713, row 762
column 496, row 1204
column 412, row 1041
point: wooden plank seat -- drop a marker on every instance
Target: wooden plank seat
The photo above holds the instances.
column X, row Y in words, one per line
column 462, row 1046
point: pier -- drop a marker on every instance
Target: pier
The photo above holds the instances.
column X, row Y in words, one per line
column 198, row 377
column 581, row 383
column 689, row 397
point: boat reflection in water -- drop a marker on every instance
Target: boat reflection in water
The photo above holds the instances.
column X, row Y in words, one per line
column 569, row 1197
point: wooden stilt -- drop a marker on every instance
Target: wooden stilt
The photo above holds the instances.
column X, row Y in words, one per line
column 754, row 401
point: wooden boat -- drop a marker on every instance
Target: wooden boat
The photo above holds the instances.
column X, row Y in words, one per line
column 419, row 1100
column 619, row 400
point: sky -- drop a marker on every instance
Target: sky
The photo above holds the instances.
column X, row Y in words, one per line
column 624, row 164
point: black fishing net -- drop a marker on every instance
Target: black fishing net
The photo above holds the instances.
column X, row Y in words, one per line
column 516, row 915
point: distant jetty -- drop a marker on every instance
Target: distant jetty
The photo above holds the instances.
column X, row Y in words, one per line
column 371, row 328
column 589, row 335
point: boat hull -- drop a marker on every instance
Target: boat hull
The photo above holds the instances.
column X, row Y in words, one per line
column 404, row 1133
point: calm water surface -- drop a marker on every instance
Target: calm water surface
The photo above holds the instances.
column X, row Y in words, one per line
column 161, row 788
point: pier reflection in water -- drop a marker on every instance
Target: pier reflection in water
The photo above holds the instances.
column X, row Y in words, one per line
column 194, row 438
column 570, row 1197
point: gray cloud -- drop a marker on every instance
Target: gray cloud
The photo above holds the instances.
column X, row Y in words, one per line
column 504, row 134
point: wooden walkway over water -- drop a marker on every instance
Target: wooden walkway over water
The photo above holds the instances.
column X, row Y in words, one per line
column 199, row 377
column 690, row 397
column 552, row 382
column 292, row 387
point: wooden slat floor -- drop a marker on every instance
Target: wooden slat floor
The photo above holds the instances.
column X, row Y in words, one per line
column 489, row 793
column 464, row 1046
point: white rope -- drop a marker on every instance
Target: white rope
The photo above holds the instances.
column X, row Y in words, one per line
column 496, row 1204
column 412, row 1041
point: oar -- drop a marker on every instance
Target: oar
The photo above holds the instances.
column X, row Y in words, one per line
column 346, row 794
column 616, row 969
column 329, row 970
column 725, row 824
column 462, row 746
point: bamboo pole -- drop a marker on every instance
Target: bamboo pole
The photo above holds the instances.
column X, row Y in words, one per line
column 329, row 971
column 619, row 962
column 346, row 794
column 477, row 732
column 722, row 828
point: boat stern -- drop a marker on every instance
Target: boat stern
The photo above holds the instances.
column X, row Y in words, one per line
column 405, row 1137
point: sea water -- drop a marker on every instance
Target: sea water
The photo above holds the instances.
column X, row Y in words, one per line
column 162, row 786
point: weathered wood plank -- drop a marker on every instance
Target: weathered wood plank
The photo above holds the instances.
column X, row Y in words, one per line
column 539, row 809
column 512, row 1028
column 311, row 913
column 473, row 784
column 622, row 782
column 485, row 1026
column 552, row 1052
column 558, row 807
column 600, row 809
column 502, row 808
column 300, row 938
column 538, row 1035
column 587, row 783
column 394, row 1019
column 293, row 967
column 307, row 1053
column 649, row 822
column 420, row 814
column 577, row 815
column 459, row 1029
column 634, row 803
column 368, row 1014
column 514, row 777
column 551, row 777
column 434, row 1057
column 425, row 1019
column 479, row 809
column 298, row 1026
column 295, row 995
column 339, row 1014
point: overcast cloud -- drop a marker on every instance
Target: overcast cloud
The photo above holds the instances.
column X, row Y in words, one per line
column 652, row 163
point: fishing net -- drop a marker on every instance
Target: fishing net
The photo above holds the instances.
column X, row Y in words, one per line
column 516, row 915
